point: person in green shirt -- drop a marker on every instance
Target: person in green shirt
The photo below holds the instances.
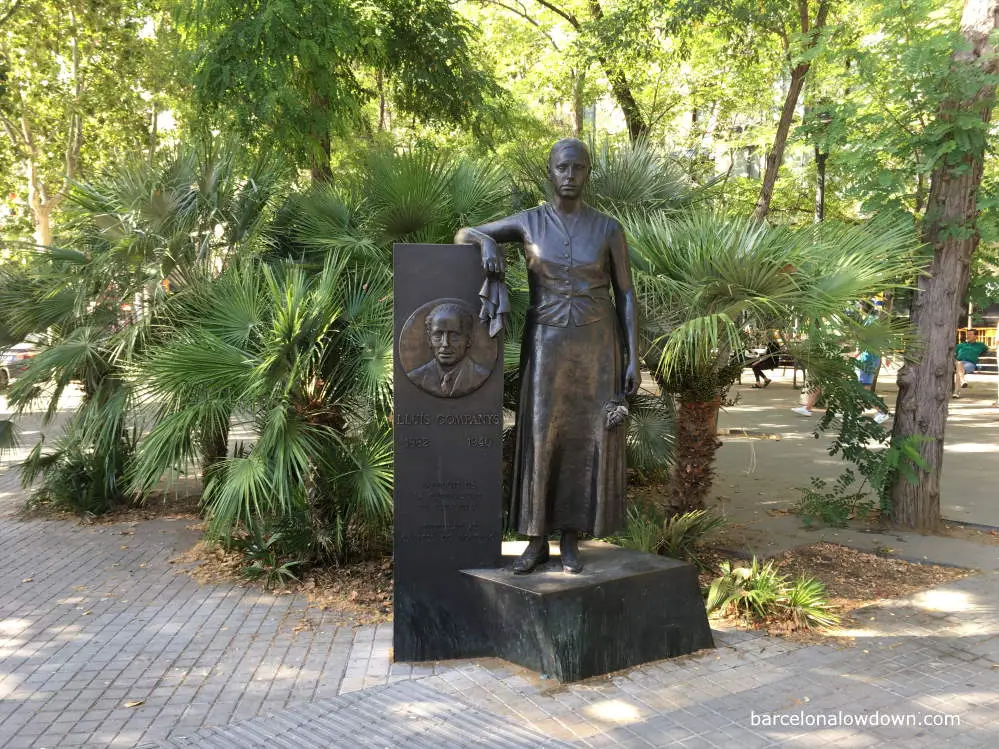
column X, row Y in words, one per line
column 967, row 354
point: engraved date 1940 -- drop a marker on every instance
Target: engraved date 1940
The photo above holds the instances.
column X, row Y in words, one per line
column 481, row 442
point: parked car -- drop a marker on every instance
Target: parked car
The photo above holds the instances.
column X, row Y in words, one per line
column 14, row 360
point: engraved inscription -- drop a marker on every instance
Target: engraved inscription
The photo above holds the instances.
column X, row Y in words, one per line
column 445, row 350
column 421, row 419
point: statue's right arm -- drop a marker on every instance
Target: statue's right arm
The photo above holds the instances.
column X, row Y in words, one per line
column 487, row 238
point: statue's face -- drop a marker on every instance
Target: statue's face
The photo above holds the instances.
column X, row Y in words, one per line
column 447, row 339
column 569, row 171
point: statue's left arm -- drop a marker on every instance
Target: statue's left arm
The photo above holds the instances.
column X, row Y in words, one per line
column 627, row 307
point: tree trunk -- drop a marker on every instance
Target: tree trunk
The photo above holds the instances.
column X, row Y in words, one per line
column 924, row 385
column 637, row 126
column 820, row 184
column 696, row 445
column 214, row 446
column 322, row 148
column 776, row 155
column 381, row 102
column 578, row 111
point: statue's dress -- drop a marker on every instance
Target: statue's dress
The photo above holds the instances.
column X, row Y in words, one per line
column 569, row 469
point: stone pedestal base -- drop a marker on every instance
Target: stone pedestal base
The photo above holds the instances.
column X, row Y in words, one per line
column 626, row 608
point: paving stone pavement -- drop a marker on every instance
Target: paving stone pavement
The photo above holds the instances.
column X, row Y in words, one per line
column 96, row 618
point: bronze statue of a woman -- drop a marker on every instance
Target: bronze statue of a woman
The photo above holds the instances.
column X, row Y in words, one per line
column 579, row 361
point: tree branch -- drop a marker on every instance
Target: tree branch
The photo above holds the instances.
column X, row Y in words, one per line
column 523, row 14
column 11, row 129
column 8, row 14
column 573, row 21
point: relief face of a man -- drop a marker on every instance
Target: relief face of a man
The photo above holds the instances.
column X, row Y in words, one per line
column 449, row 334
column 452, row 372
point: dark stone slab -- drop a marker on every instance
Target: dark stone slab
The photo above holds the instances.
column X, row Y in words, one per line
column 627, row 608
column 448, row 463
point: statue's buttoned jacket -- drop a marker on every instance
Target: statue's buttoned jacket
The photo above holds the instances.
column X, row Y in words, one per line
column 569, row 265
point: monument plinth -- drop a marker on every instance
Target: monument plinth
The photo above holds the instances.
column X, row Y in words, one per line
column 447, row 424
column 627, row 608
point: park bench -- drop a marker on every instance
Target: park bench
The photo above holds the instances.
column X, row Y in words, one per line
column 987, row 364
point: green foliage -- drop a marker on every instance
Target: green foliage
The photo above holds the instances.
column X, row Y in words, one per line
column 265, row 561
column 651, row 430
column 879, row 460
column 74, row 82
column 288, row 346
column 764, row 595
column 836, row 505
column 8, row 435
column 677, row 536
column 76, row 476
column 101, row 302
column 294, row 74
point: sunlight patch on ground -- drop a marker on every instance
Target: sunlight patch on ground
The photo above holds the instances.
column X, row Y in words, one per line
column 613, row 711
column 945, row 600
column 971, row 447
column 13, row 626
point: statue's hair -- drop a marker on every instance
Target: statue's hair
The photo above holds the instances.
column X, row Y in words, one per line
column 464, row 316
column 567, row 143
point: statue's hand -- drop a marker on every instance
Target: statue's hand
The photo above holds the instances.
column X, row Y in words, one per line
column 492, row 256
column 631, row 379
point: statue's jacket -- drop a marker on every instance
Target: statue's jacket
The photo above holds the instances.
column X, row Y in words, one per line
column 569, row 265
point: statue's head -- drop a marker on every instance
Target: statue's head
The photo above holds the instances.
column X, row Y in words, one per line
column 449, row 332
column 569, row 167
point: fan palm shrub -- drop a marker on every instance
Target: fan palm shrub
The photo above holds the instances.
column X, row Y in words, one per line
column 300, row 360
column 384, row 197
column 296, row 345
column 132, row 233
column 704, row 280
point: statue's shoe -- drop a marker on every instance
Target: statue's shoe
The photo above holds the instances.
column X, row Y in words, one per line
column 570, row 558
column 534, row 555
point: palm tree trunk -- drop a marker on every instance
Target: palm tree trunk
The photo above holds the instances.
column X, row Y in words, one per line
column 696, row 445
column 214, row 447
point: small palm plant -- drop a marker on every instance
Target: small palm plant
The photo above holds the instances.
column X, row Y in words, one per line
column 764, row 594
column 704, row 280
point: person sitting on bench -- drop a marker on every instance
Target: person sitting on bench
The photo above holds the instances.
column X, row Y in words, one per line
column 967, row 355
column 767, row 361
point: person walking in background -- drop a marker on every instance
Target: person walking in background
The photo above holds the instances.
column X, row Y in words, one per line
column 867, row 367
column 966, row 355
column 809, row 397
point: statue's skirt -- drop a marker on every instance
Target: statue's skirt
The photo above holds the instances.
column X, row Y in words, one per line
column 569, row 470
